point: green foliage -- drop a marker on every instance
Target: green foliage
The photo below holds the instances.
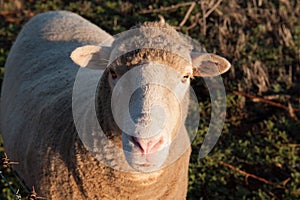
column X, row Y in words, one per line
column 258, row 139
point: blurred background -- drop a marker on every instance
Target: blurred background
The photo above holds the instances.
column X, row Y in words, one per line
column 258, row 153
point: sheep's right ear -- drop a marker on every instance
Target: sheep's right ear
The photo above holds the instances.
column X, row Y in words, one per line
column 208, row 64
column 91, row 56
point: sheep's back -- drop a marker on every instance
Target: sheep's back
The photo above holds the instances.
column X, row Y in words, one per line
column 39, row 75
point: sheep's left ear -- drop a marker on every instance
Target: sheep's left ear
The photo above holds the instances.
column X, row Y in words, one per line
column 91, row 56
column 207, row 64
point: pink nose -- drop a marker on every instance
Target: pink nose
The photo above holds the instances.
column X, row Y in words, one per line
column 148, row 145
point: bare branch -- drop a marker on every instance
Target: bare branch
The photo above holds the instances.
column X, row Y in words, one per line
column 195, row 19
column 188, row 13
column 212, row 8
column 206, row 11
column 259, row 99
column 246, row 174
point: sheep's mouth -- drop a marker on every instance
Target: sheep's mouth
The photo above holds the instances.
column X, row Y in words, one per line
column 145, row 154
column 145, row 165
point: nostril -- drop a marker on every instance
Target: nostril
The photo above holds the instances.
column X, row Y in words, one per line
column 148, row 145
column 137, row 143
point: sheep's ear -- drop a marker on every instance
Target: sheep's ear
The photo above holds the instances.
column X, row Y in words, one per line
column 90, row 56
column 206, row 64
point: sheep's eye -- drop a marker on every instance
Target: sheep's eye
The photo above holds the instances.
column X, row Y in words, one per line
column 185, row 78
column 113, row 74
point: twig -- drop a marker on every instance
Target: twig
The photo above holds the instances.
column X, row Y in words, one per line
column 252, row 175
column 172, row 7
column 5, row 161
column 33, row 195
column 188, row 13
column 277, row 96
column 203, row 18
column 292, row 111
column 212, row 9
column 259, row 99
column 195, row 19
column 206, row 13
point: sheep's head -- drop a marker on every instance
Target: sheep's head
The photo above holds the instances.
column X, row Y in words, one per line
column 148, row 72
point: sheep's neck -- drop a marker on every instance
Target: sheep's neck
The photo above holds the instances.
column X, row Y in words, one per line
column 168, row 183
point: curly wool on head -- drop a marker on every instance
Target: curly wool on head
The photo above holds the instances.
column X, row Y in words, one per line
column 143, row 56
column 152, row 39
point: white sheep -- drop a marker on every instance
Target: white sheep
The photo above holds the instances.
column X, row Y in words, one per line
column 37, row 122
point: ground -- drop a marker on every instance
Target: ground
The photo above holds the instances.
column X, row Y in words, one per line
column 258, row 153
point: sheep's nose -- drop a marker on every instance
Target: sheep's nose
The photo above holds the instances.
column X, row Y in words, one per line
column 147, row 146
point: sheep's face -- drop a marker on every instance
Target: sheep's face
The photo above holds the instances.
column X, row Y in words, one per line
column 157, row 97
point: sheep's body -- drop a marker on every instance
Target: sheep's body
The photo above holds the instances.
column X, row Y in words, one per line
column 37, row 123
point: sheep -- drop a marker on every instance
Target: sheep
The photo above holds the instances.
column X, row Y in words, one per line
column 38, row 124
